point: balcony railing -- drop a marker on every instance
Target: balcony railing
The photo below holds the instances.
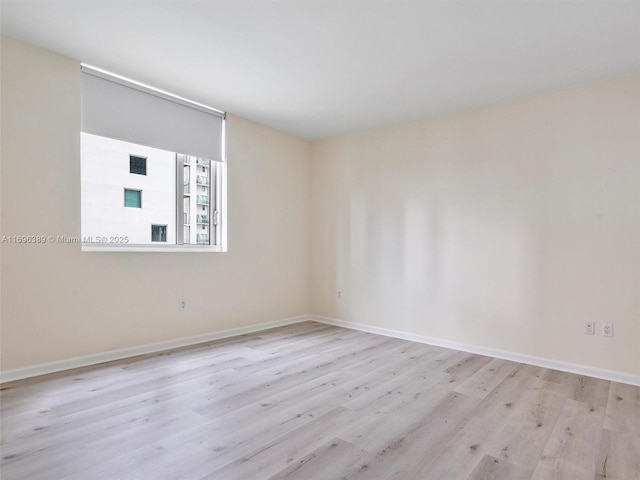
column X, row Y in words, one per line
column 202, row 200
column 187, row 188
column 202, row 238
column 202, row 161
column 200, row 180
column 185, row 218
column 204, row 219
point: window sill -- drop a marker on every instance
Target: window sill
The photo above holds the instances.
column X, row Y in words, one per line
column 153, row 248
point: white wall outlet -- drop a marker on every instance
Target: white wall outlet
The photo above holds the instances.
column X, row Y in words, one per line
column 339, row 295
column 590, row 327
column 607, row 329
column 182, row 305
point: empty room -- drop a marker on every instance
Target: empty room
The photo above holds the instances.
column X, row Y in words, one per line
column 320, row 240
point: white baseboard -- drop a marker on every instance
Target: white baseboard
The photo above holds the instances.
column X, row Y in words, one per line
column 108, row 356
column 490, row 352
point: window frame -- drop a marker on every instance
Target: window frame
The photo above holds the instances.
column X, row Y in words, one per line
column 138, row 157
column 211, row 210
column 132, row 190
column 165, row 233
column 217, row 210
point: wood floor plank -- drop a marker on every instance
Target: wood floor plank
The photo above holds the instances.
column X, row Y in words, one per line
column 571, row 451
column 44, row 428
column 375, row 437
column 420, row 442
column 468, row 366
column 487, row 378
column 618, row 456
column 398, row 385
column 327, row 462
column 276, row 455
column 479, row 431
column 78, row 450
column 125, row 466
column 622, row 410
column 310, row 401
column 591, row 391
column 522, row 440
column 491, row 468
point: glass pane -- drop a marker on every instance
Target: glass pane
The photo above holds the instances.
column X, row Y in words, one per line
column 132, row 198
column 198, row 201
column 186, row 216
column 137, row 165
column 158, row 233
column 187, row 177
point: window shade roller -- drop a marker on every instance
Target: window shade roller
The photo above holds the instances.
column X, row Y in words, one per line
column 116, row 108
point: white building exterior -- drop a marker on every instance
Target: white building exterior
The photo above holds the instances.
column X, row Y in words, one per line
column 196, row 199
column 105, row 176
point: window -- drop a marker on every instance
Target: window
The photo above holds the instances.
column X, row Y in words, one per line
column 132, row 198
column 198, row 191
column 158, row 233
column 178, row 160
column 137, row 165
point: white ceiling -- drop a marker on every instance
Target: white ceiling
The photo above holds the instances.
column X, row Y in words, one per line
column 317, row 68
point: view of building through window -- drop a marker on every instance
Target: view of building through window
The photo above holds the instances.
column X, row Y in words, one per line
column 196, row 199
column 169, row 197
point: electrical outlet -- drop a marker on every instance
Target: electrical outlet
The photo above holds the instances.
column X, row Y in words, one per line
column 607, row 329
column 182, row 304
column 590, row 327
column 339, row 295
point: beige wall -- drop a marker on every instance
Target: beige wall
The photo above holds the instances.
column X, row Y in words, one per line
column 58, row 303
column 504, row 227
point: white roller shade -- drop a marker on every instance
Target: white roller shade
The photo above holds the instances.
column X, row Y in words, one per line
column 116, row 108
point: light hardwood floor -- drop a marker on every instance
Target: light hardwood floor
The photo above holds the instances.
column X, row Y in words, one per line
column 311, row 401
